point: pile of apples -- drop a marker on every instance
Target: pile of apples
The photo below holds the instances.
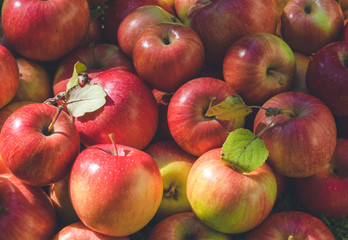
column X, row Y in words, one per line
column 117, row 119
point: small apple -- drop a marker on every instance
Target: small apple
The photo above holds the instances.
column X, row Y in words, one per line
column 174, row 164
column 299, row 144
column 166, row 55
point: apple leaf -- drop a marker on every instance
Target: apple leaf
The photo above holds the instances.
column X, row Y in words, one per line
column 244, row 151
column 232, row 107
column 81, row 100
column 74, row 80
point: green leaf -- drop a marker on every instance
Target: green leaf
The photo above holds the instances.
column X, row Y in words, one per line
column 232, row 107
column 81, row 100
column 244, row 151
column 74, row 80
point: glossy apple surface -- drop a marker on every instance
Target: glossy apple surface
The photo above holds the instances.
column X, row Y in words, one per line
column 33, row 154
column 166, row 55
column 299, row 145
column 26, row 211
column 226, row 200
column 35, row 28
column 130, row 112
column 191, row 129
column 259, row 66
column 115, row 192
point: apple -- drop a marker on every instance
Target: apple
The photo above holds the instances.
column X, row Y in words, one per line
column 327, row 75
column 166, row 55
column 183, row 226
column 26, row 212
column 308, row 25
column 299, row 145
column 59, row 195
column 168, row 5
column 259, row 66
column 97, row 58
column 130, row 112
column 326, row 192
column 191, row 129
column 35, row 83
column 302, row 62
column 291, row 225
column 115, row 189
column 94, row 34
column 9, row 79
column 174, row 164
column 35, row 28
column 182, row 8
column 138, row 20
column 226, row 200
column 33, row 153
column 78, row 231
column 219, row 23
column 117, row 11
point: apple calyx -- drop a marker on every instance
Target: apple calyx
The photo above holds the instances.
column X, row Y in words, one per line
column 170, row 192
column 273, row 72
column 3, row 208
column 112, row 138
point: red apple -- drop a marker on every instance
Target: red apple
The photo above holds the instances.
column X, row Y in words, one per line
column 166, row 55
column 78, row 231
column 117, row 11
column 174, row 164
column 59, row 195
column 291, row 225
column 130, row 112
column 115, row 190
column 327, row 191
column 94, row 34
column 219, row 23
column 26, row 211
column 327, row 75
column 3, row 168
column 299, row 145
column 191, row 129
column 35, row 28
column 138, row 20
column 308, row 25
column 9, row 79
column 35, row 83
column 97, row 58
column 183, row 226
column 31, row 152
column 259, row 66
column 226, row 200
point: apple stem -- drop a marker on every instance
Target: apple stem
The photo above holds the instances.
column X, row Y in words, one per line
column 112, row 138
column 291, row 237
column 3, row 208
column 265, row 128
column 59, row 110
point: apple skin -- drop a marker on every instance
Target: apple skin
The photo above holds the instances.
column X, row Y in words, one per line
column 259, row 66
column 219, row 23
column 299, row 225
column 115, row 194
column 166, row 55
column 220, row 196
column 174, row 164
column 327, row 75
column 183, row 226
column 97, row 58
column 6, row 111
column 308, row 25
column 78, row 231
column 138, row 20
column 36, row 157
column 298, row 146
column 94, row 34
column 190, row 129
column 302, row 62
column 327, row 191
column 182, row 7
column 130, row 112
column 59, row 195
column 30, row 213
column 117, row 11
column 35, row 30
column 35, row 83
column 9, row 79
